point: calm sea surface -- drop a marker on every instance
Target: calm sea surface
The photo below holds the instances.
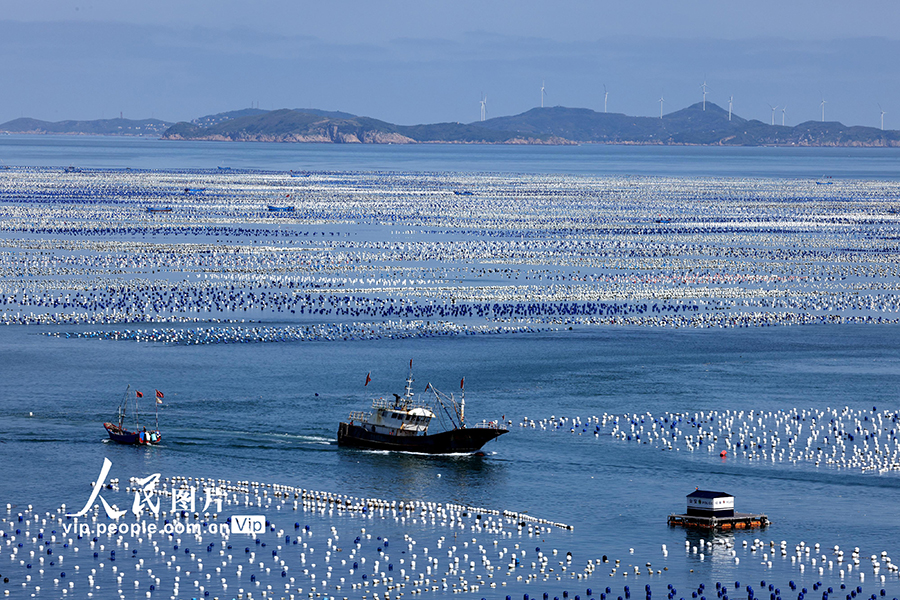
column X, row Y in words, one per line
column 269, row 412
column 671, row 161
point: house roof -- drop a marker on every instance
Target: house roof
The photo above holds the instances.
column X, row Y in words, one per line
column 708, row 494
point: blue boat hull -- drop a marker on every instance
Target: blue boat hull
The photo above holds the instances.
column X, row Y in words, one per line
column 134, row 438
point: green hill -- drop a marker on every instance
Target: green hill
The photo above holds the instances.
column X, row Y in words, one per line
column 152, row 127
column 689, row 126
column 286, row 125
column 208, row 120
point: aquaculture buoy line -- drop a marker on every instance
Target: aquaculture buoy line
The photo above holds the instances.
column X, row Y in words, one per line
column 354, row 547
column 197, row 552
column 530, row 251
column 841, row 438
column 323, row 332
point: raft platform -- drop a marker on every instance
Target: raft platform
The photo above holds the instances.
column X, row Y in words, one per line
column 738, row 521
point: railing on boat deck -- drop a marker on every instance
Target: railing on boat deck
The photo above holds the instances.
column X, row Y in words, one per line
column 488, row 425
column 384, row 403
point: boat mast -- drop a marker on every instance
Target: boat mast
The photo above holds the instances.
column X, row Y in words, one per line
column 123, row 406
column 455, row 415
column 136, row 424
column 462, row 402
column 409, row 381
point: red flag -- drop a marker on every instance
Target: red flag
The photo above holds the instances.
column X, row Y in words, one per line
column 159, row 394
column 462, row 383
column 368, row 378
column 410, row 363
column 138, row 394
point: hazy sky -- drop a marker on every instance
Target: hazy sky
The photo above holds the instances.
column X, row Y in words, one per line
column 426, row 61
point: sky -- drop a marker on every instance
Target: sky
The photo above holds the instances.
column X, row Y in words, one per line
column 429, row 61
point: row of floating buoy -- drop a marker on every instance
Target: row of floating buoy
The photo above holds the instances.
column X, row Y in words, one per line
column 323, row 332
column 200, row 557
column 729, row 262
column 842, row 438
column 331, row 554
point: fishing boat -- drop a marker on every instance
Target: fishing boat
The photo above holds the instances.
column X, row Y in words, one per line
column 118, row 432
column 402, row 424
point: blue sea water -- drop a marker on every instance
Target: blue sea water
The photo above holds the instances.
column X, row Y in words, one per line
column 269, row 412
column 669, row 161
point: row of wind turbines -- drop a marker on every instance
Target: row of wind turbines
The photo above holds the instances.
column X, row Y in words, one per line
column 544, row 93
column 703, row 87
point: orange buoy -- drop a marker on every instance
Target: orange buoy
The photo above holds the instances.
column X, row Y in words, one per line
column 723, row 453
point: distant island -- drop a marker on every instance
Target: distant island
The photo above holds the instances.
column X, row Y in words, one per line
column 698, row 124
column 145, row 127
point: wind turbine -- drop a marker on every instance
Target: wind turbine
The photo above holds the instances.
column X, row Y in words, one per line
column 703, row 87
column 882, row 116
column 483, row 103
column 605, row 97
column 730, row 102
column 823, row 109
column 774, row 108
column 661, row 100
column 783, row 109
column 542, row 94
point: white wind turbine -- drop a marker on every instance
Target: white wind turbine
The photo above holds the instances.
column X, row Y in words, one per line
column 783, row 109
column 882, row 116
column 823, row 109
column 483, row 103
column 774, row 108
column 730, row 102
column 661, row 100
column 605, row 97
column 542, row 94
column 703, row 87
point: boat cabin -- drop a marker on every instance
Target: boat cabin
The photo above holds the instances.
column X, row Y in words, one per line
column 402, row 417
column 401, row 420
column 704, row 503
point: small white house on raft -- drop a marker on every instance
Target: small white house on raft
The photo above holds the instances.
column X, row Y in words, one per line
column 704, row 503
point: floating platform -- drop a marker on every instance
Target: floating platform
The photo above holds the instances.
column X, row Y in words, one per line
column 738, row 521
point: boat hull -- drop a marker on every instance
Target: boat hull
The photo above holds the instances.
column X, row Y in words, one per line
column 447, row 442
column 134, row 438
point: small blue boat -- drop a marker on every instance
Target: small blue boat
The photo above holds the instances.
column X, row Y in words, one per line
column 281, row 208
column 120, row 434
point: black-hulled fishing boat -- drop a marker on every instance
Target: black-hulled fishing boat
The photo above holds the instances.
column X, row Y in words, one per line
column 402, row 424
column 118, row 432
